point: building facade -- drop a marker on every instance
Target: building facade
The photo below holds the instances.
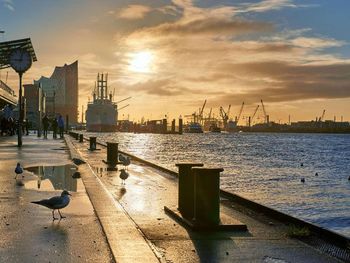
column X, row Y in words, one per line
column 61, row 91
column 35, row 104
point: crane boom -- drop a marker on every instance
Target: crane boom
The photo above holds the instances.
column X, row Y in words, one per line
column 123, row 107
column 123, row 100
column 240, row 112
column 323, row 113
column 265, row 115
column 201, row 112
column 210, row 113
column 256, row 110
column 228, row 111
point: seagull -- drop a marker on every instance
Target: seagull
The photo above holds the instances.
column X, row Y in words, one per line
column 127, row 162
column 121, row 157
column 302, row 180
column 55, row 203
column 18, row 170
column 123, row 175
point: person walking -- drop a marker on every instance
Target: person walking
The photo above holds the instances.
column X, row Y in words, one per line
column 54, row 126
column 61, row 126
column 45, row 122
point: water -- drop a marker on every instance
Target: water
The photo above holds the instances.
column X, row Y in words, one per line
column 264, row 167
column 52, row 178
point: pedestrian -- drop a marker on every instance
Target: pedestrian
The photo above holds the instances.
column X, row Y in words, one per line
column 45, row 122
column 54, row 126
column 61, row 125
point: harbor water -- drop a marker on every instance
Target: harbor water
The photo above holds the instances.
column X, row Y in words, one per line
column 264, row 167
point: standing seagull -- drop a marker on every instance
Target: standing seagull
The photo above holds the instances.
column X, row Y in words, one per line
column 123, row 175
column 18, row 170
column 127, row 162
column 55, row 203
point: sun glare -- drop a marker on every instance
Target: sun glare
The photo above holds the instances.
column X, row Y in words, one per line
column 141, row 62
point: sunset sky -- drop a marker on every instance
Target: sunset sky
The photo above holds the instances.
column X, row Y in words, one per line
column 172, row 55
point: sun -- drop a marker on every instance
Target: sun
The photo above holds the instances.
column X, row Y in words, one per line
column 141, row 62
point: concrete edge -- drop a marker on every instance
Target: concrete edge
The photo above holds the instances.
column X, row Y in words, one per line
column 74, row 153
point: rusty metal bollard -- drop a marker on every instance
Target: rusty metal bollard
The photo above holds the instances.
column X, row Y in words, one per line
column 81, row 137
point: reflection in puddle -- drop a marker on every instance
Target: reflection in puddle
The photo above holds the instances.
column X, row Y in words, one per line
column 104, row 170
column 53, row 177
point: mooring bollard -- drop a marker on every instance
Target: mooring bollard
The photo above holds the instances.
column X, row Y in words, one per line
column 186, row 189
column 112, row 154
column 92, row 143
column 81, row 137
column 207, row 195
column 180, row 126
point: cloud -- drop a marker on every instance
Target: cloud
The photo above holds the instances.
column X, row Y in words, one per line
column 267, row 5
column 134, row 12
column 160, row 87
column 281, row 82
column 208, row 26
column 9, row 4
column 317, row 43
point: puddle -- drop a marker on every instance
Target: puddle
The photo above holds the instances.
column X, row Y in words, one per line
column 52, row 178
column 101, row 171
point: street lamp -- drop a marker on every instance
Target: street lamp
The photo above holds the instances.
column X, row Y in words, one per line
column 20, row 60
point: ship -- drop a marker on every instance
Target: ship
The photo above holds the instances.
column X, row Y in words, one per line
column 193, row 127
column 102, row 112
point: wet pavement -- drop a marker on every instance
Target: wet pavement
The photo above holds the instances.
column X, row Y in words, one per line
column 28, row 233
column 148, row 190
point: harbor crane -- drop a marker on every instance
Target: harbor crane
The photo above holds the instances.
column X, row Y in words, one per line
column 201, row 111
column 266, row 117
column 240, row 113
column 225, row 115
column 322, row 117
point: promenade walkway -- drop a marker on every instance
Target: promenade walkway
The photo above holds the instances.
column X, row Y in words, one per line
column 148, row 190
column 27, row 232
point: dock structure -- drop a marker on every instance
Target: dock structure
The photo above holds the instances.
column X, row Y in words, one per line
column 267, row 236
column 108, row 221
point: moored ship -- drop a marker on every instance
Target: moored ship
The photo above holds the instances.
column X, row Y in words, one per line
column 102, row 112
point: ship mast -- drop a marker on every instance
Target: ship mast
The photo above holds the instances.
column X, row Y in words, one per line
column 102, row 88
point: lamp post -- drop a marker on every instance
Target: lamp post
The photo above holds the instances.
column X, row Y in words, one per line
column 20, row 60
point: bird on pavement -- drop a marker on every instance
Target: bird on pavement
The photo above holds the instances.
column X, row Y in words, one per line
column 18, row 170
column 123, row 175
column 125, row 160
column 55, row 203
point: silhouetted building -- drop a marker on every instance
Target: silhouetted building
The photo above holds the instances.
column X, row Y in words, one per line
column 35, row 103
column 61, row 91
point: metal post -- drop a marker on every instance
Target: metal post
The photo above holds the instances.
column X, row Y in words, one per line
column 186, row 189
column 207, row 195
column 92, row 143
column 173, row 126
column 19, row 130
column 67, row 123
column 112, row 154
column 180, row 126
column 81, row 137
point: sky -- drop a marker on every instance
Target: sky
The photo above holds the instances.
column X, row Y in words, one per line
column 171, row 56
